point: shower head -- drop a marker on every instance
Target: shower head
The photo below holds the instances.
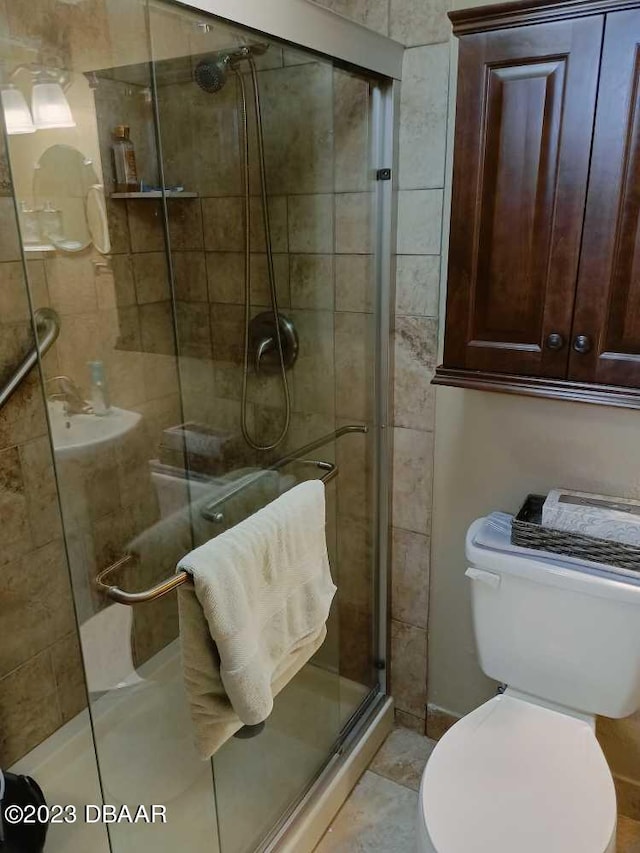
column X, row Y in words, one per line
column 211, row 73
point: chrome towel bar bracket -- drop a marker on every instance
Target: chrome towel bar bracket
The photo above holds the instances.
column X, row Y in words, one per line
column 169, row 584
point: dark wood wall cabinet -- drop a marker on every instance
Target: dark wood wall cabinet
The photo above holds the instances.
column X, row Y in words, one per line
column 544, row 258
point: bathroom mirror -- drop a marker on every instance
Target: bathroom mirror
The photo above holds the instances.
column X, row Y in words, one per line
column 69, row 200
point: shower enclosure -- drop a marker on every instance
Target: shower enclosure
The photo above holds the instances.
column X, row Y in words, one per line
column 222, row 334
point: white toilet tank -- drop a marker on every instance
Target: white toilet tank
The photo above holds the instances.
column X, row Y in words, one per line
column 554, row 629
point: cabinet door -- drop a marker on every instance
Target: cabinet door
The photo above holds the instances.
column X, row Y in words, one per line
column 524, row 123
column 607, row 316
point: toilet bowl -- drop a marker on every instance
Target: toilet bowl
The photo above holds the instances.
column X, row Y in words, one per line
column 524, row 773
column 514, row 776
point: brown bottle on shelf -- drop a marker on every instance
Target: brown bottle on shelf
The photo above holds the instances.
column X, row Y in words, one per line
column 124, row 161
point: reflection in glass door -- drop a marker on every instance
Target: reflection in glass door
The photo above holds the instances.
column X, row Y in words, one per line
column 217, row 346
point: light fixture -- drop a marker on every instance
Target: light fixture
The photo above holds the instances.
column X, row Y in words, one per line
column 16, row 112
column 50, row 107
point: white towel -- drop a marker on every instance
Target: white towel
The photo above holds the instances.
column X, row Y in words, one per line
column 255, row 613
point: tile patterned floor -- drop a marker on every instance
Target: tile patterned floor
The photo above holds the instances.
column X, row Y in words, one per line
column 380, row 814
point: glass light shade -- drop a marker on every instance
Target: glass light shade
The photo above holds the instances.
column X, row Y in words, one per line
column 49, row 107
column 16, row 112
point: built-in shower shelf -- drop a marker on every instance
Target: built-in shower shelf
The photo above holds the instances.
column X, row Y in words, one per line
column 156, row 194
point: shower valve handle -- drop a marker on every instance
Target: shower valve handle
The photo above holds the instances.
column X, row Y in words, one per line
column 263, row 347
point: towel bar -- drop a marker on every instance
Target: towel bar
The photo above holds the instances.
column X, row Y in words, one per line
column 169, row 584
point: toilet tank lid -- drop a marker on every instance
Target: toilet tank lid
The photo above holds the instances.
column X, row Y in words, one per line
column 512, row 775
column 488, row 547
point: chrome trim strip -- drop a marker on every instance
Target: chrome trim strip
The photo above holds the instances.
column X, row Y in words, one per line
column 307, row 25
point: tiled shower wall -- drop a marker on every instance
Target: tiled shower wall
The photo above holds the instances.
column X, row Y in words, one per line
column 41, row 683
column 424, row 28
column 316, row 147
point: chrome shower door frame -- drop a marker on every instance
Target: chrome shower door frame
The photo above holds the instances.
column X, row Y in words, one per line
column 304, row 24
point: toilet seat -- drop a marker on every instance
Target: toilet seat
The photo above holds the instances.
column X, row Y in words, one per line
column 515, row 776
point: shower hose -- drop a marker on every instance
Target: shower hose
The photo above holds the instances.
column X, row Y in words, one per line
column 247, row 261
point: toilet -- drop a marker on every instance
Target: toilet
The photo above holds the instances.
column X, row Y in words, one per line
column 524, row 773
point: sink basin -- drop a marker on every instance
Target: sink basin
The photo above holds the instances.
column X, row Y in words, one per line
column 76, row 435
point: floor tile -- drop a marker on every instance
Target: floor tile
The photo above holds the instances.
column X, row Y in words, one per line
column 378, row 817
column 628, row 835
column 402, row 757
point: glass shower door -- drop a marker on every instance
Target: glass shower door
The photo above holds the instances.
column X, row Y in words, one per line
column 154, row 298
column 315, row 124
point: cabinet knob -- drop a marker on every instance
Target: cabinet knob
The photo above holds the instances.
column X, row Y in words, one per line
column 555, row 341
column 582, row 343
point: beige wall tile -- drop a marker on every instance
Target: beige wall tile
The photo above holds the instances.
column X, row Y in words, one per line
column 118, row 226
column 314, row 372
column 312, row 281
column 412, row 477
column 151, row 277
column 354, row 338
column 415, row 349
column 156, row 328
column 259, row 281
column 351, row 131
column 40, row 485
column 29, row 710
column 277, row 208
column 36, row 604
column 122, row 270
column 9, row 240
column 297, row 110
column 185, row 224
column 14, row 510
column 310, row 223
column 408, row 721
column 370, row 13
column 24, row 417
column 225, row 277
column 417, row 284
column 439, row 721
column 69, row 676
column 146, row 227
column 222, row 223
column 355, row 628
column 190, row 276
column 353, row 223
column 410, row 577
column 227, row 332
column 194, row 333
column 423, row 116
column 14, row 304
column 415, row 22
column 409, row 668
column 38, row 283
column 419, row 222
column 355, row 285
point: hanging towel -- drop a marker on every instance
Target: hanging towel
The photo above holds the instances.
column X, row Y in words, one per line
column 255, row 612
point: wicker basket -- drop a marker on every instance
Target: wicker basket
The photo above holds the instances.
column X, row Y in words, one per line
column 527, row 532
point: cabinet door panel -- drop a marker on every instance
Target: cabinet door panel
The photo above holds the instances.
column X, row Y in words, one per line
column 608, row 300
column 526, row 99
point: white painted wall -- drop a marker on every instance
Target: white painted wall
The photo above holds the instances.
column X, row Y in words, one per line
column 491, row 450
